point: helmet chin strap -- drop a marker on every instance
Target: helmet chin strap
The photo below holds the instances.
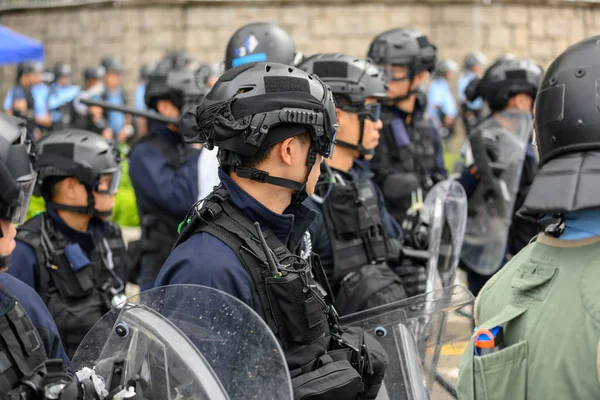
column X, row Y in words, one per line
column 263, row 176
column 362, row 152
column 89, row 210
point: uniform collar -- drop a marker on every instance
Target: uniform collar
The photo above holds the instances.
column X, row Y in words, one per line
column 85, row 239
column 289, row 227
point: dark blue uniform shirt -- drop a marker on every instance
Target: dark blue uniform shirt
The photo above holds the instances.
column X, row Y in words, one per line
column 318, row 229
column 24, row 257
column 159, row 187
column 205, row 260
column 37, row 312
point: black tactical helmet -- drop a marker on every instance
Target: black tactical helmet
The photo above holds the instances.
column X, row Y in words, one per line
column 93, row 73
column 181, row 86
column 257, row 105
column 567, row 133
column 111, row 64
column 17, row 177
column 62, row 70
column 261, row 41
column 507, row 78
column 352, row 79
column 176, row 59
column 405, row 47
column 81, row 154
column 566, row 113
column 473, row 59
column 146, row 70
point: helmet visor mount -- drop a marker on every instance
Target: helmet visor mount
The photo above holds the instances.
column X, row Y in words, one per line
column 17, row 211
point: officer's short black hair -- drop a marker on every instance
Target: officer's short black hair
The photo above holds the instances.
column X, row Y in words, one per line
column 51, row 187
column 263, row 154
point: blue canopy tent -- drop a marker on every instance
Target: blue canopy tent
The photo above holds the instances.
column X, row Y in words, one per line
column 15, row 48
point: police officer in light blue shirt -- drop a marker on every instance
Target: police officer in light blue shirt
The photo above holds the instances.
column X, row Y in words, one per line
column 473, row 67
column 60, row 97
column 441, row 104
column 114, row 93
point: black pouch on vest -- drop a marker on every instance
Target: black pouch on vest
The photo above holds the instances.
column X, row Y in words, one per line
column 296, row 310
column 70, row 284
column 346, row 224
column 371, row 363
column 371, row 286
column 334, row 381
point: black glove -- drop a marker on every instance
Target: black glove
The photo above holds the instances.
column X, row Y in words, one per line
column 413, row 275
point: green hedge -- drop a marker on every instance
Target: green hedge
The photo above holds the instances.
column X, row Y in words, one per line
column 125, row 212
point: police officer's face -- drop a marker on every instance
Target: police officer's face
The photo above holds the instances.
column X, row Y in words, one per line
column 349, row 130
column 399, row 81
column 168, row 109
column 7, row 242
column 112, row 80
column 63, row 80
column 104, row 202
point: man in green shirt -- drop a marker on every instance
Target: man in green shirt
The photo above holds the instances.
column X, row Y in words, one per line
column 543, row 307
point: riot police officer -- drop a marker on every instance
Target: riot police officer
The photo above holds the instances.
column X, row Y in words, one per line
column 140, row 92
column 91, row 118
column 507, row 86
column 164, row 174
column 354, row 235
column 114, row 93
column 251, row 43
column 60, row 98
column 19, row 302
column 409, row 158
column 472, row 69
column 273, row 125
column 261, row 41
column 70, row 254
column 544, row 300
column 441, row 104
column 29, row 97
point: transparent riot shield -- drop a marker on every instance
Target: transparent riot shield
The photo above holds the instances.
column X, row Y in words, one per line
column 413, row 359
column 445, row 213
column 186, row 342
column 505, row 137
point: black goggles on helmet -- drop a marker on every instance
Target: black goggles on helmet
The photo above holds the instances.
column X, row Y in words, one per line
column 370, row 111
column 108, row 181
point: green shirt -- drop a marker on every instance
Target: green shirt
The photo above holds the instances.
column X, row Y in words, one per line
column 547, row 299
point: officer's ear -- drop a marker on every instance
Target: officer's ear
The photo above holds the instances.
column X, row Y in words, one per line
column 69, row 188
column 288, row 150
column 419, row 79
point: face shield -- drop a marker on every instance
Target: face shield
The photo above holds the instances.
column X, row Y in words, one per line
column 108, row 182
column 18, row 209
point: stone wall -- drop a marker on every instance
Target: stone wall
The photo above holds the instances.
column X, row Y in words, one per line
column 139, row 32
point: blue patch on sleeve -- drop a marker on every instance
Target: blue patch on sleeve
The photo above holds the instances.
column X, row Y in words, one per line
column 258, row 57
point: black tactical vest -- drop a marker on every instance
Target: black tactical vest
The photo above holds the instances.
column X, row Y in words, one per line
column 21, row 348
column 294, row 299
column 357, row 234
column 417, row 157
column 159, row 230
column 76, row 300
